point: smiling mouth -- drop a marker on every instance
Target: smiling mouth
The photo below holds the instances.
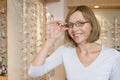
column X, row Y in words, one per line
column 77, row 34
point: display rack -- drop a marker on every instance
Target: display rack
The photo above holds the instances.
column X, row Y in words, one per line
column 116, row 33
column 33, row 34
column 110, row 33
column 3, row 40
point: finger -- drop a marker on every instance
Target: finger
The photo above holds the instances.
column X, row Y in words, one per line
column 60, row 23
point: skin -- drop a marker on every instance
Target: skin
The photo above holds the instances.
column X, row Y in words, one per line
column 86, row 52
column 56, row 31
column 79, row 34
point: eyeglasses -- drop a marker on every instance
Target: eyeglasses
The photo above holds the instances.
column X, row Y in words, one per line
column 77, row 24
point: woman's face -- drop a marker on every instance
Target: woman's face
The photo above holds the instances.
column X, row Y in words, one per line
column 79, row 34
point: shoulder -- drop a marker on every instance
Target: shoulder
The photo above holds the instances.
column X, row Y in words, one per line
column 64, row 48
column 111, row 52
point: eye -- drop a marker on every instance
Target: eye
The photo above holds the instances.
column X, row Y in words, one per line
column 70, row 24
column 80, row 24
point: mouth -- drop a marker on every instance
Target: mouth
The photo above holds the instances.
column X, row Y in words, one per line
column 77, row 35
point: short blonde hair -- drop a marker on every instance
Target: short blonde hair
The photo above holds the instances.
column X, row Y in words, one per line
column 89, row 16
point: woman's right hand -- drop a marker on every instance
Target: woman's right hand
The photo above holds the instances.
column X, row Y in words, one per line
column 56, row 30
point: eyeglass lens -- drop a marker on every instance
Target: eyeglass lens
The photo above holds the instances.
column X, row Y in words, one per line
column 77, row 24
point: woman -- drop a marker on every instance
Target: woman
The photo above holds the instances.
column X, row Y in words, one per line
column 81, row 56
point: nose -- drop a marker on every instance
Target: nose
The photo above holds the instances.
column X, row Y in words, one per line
column 74, row 28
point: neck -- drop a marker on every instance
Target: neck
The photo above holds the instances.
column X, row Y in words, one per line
column 88, row 47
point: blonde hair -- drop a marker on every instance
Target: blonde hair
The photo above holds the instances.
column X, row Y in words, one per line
column 89, row 16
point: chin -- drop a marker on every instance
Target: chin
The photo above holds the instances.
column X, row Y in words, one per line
column 80, row 41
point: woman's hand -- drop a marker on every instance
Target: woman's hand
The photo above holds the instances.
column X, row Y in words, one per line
column 55, row 30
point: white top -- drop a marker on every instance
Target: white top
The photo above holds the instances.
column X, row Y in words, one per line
column 105, row 67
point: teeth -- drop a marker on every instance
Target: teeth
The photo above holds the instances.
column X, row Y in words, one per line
column 78, row 34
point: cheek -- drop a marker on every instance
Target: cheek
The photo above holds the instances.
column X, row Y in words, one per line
column 88, row 29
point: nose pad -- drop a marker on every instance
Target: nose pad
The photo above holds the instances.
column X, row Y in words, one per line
column 74, row 28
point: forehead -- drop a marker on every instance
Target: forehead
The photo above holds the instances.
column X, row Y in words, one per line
column 76, row 16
